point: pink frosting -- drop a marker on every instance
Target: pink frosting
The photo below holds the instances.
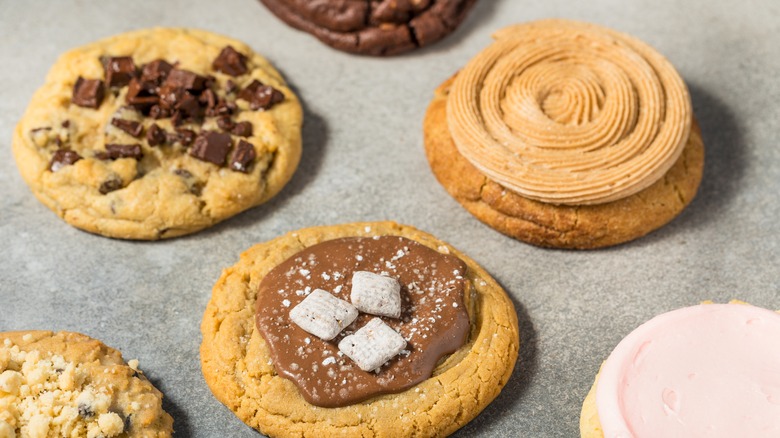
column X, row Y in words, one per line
column 711, row 370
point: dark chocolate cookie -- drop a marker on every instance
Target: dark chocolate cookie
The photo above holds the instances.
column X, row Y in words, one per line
column 373, row 27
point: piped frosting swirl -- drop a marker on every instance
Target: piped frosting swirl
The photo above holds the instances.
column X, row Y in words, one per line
column 570, row 113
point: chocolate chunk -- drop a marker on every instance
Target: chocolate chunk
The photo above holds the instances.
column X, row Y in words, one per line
column 116, row 151
column 156, row 71
column 139, row 95
column 110, row 185
column 225, row 123
column 184, row 173
column 119, row 70
column 62, row 158
column 185, row 79
column 185, row 136
column 129, row 126
column 222, row 108
column 242, row 129
column 211, row 146
column 170, row 96
column 66, row 124
column 230, row 86
column 88, row 93
column 189, row 108
column 243, row 156
column 208, row 98
column 261, row 96
column 230, row 62
column 155, row 135
column 158, row 112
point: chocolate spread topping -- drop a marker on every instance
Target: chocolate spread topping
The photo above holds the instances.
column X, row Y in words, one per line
column 434, row 320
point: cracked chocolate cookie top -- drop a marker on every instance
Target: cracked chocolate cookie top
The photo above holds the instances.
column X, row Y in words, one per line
column 373, row 27
column 158, row 133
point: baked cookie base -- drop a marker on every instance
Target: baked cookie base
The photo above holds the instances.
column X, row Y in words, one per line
column 441, row 19
column 558, row 226
column 237, row 366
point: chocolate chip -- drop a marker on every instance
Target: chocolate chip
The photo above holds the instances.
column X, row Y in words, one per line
column 243, row 156
column 158, row 112
column 185, row 136
column 230, row 62
column 184, row 173
column 225, row 123
column 242, row 129
column 170, row 96
column 230, row 86
column 156, row 71
column 88, row 93
column 66, row 124
column 211, row 146
column 129, row 126
column 116, row 151
column 189, row 107
column 62, row 158
column 222, row 108
column 139, row 95
column 208, row 98
column 261, row 96
column 185, row 79
column 110, row 185
column 119, row 70
column 155, row 135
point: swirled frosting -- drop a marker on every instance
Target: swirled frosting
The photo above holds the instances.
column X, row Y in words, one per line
column 710, row 370
column 570, row 113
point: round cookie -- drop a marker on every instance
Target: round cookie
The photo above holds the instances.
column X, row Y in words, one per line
column 546, row 224
column 158, row 133
column 68, row 384
column 237, row 364
column 373, row 27
column 706, row 375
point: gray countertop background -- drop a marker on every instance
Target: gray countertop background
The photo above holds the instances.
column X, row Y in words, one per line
column 363, row 160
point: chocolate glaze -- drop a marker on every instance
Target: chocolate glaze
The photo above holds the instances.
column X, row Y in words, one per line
column 434, row 319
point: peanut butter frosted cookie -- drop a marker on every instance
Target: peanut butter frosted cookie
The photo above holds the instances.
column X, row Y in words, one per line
column 373, row 27
column 566, row 134
column 367, row 329
column 706, row 370
column 158, row 133
column 67, row 384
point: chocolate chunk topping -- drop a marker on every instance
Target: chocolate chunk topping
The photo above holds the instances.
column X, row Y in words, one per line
column 434, row 319
column 158, row 112
column 208, row 98
column 116, row 151
column 182, row 135
column 170, row 96
column 225, row 123
column 63, row 157
column 230, row 86
column 261, row 96
column 242, row 129
column 139, row 95
column 243, row 156
column 185, row 79
column 230, row 62
column 156, row 71
column 211, row 146
column 155, row 135
column 129, row 126
column 119, row 70
column 222, row 108
column 110, row 185
column 88, row 93
column 189, row 108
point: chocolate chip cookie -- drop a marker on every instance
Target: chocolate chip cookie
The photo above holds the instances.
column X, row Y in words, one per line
column 373, row 27
column 365, row 329
column 68, row 384
column 158, row 133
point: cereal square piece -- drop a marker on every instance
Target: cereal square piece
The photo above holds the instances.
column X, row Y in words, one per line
column 373, row 345
column 323, row 315
column 376, row 294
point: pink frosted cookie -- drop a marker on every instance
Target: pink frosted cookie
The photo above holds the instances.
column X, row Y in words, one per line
column 711, row 370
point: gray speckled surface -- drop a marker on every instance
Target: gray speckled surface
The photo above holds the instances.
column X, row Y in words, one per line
column 363, row 160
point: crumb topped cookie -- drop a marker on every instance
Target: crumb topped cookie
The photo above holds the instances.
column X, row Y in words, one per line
column 373, row 27
column 67, row 384
column 158, row 133
column 421, row 365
